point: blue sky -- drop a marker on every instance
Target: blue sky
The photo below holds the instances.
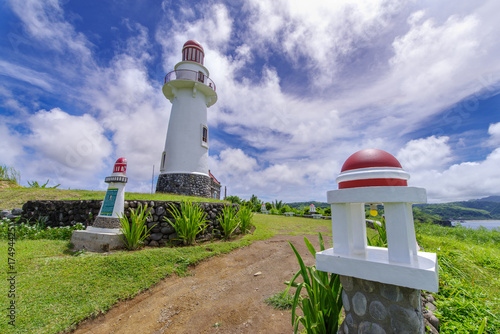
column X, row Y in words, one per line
column 301, row 86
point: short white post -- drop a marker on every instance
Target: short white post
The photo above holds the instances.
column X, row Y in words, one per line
column 381, row 286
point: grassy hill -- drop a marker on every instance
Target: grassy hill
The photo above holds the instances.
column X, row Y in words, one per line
column 15, row 197
column 474, row 209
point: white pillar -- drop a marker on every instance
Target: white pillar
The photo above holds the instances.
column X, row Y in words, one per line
column 401, row 240
column 348, row 227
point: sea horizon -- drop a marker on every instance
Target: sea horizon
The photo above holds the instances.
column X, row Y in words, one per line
column 475, row 224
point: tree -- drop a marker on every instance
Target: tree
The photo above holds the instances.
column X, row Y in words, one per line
column 233, row 199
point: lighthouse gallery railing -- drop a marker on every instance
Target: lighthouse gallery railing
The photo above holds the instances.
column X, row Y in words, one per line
column 190, row 75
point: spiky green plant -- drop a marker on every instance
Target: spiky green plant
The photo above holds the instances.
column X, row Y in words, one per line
column 245, row 216
column 188, row 222
column 380, row 238
column 35, row 184
column 229, row 221
column 277, row 204
column 322, row 306
column 135, row 229
column 9, row 174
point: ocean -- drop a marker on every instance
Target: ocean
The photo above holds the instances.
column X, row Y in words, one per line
column 489, row 224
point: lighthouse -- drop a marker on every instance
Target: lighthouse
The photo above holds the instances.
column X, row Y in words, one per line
column 184, row 161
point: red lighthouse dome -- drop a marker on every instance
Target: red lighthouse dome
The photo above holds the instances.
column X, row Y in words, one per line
column 120, row 166
column 372, row 168
column 193, row 51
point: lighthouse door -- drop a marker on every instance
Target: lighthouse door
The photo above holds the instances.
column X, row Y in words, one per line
column 201, row 77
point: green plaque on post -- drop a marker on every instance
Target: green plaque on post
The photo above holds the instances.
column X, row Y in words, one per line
column 109, row 202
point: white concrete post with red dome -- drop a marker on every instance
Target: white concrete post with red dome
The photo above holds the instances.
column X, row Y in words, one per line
column 373, row 176
column 114, row 201
column 105, row 233
column 184, row 161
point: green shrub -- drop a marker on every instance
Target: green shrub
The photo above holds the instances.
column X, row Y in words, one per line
column 229, row 221
column 187, row 222
column 36, row 231
column 245, row 215
column 281, row 300
column 322, row 306
column 233, row 199
column 9, row 174
column 380, row 238
column 277, row 204
column 35, row 184
column 135, row 230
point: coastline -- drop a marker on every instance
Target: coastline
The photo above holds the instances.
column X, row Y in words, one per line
column 475, row 224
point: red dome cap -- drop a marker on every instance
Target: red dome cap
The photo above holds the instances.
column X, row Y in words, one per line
column 372, row 168
column 194, row 43
column 120, row 166
column 193, row 51
column 370, row 157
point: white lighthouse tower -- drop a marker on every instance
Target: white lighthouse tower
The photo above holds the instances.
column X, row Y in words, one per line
column 184, row 161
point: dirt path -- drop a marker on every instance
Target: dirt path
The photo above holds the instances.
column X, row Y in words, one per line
column 222, row 295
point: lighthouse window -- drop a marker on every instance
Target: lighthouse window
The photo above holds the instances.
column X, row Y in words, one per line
column 204, row 136
column 163, row 158
column 201, row 77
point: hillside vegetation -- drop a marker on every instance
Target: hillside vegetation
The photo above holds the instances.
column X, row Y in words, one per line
column 475, row 209
column 478, row 209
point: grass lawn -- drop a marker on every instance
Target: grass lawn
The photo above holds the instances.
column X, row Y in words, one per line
column 469, row 281
column 55, row 290
column 15, row 197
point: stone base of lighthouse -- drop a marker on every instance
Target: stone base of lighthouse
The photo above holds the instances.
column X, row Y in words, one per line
column 185, row 184
column 378, row 308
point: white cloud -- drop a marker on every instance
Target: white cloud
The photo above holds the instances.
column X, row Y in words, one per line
column 302, row 84
column 131, row 107
column 318, row 36
column 27, row 75
column 77, row 142
column 461, row 181
column 44, row 20
column 10, row 146
column 494, row 132
column 430, row 153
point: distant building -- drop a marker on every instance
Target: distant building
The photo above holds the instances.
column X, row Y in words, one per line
column 184, row 161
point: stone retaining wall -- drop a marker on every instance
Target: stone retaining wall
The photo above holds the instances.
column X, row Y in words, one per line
column 69, row 213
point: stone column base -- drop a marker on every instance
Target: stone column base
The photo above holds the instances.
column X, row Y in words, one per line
column 377, row 308
column 184, row 184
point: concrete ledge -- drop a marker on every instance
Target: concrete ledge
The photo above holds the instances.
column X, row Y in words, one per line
column 97, row 239
column 374, row 265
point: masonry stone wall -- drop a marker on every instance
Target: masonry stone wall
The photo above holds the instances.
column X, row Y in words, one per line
column 185, row 184
column 69, row 213
column 377, row 308
column 214, row 189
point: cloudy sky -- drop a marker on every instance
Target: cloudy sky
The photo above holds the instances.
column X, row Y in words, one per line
column 301, row 86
